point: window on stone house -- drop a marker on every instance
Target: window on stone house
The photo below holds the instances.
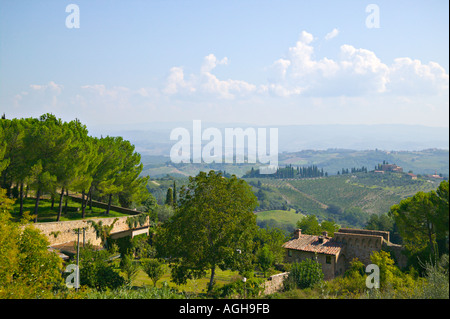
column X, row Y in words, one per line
column 290, row 253
column 328, row 259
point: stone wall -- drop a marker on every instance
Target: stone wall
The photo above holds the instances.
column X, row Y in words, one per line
column 357, row 245
column 274, row 283
column 328, row 268
column 365, row 232
column 63, row 232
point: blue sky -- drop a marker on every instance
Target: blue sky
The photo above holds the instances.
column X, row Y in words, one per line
column 258, row 62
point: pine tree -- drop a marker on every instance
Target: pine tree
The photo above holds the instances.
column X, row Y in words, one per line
column 174, row 193
column 169, row 197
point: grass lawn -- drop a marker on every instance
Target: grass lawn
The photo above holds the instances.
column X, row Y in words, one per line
column 196, row 286
column 47, row 214
column 282, row 216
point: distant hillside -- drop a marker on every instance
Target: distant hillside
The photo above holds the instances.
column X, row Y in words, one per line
column 332, row 160
column 428, row 161
column 154, row 138
column 347, row 199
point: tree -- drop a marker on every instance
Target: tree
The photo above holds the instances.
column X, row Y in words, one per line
column 273, row 239
column 390, row 275
column 129, row 267
column 48, row 140
column 104, row 177
column 27, row 268
column 421, row 219
column 265, row 259
column 442, row 227
column 154, row 269
column 9, row 236
column 169, row 197
column 214, row 226
column 380, row 222
column 330, row 227
column 16, row 165
column 73, row 161
column 96, row 271
column 3, row 162
column 309, row 225
column 174, row 194
column 164, row 212
column 134, row 187
column 334, row 209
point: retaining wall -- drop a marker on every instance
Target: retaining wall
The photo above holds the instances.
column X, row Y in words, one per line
column 63, row 232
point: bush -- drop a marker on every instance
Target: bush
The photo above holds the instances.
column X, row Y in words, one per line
column 96, row 272
column 249, row 289
column 437, row 285
column 140, row 293
column 303, row 275
column 154, row 269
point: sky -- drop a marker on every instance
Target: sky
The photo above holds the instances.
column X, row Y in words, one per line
column 286, row 62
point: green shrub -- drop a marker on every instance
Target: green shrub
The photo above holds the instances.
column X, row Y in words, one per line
column 303, row 275
column 96, row 271
column 140, row 293
column 251, row 288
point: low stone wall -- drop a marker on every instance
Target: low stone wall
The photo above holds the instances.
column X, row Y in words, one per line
column 63, row 232
column 274, row 283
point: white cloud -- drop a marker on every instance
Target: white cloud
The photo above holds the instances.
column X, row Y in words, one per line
column 50, row 87
column 210, row 62
column 354, row 82
column 357, row 72
column 411, row 77
column 205, row 83
column 332, row 34
column 175, row 81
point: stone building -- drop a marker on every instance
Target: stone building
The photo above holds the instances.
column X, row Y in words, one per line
column 336, row 253
column 391, row 168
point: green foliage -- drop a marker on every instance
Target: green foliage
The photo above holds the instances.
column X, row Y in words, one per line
column 164, row 212
column 265, row 259
column 127, row 292
column 103, row 231
column 65, row 157
column 303, row 275
column 356, row 267
column 96, row 270
column 310, row 226
column 27, row 268
column 213, row 221
column 273, row 239
column 137, row 220
column 437, row 280
column 154, row 269
column 169, row 197
column 251, row 288
column 129, row 267
column 423, row 219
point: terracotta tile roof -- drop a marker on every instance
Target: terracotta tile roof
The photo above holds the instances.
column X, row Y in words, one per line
column 311, row 243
